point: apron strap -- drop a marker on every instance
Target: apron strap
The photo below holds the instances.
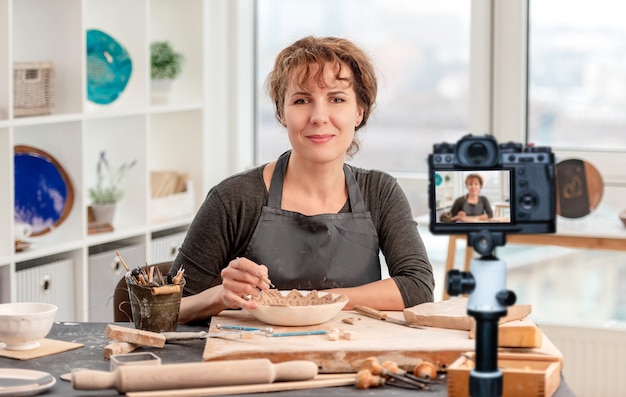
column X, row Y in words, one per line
column 275, row 195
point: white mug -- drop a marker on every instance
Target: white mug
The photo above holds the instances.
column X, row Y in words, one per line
column 22, row 231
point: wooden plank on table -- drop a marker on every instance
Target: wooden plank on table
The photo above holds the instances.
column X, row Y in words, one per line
column 386, row 341
column 135, row 336
column 452, row 313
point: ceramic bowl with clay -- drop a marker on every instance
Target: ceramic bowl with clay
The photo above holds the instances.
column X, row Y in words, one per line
column 297, row 308
column 24, row 325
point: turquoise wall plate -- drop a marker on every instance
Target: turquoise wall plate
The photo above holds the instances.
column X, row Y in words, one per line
column 109, row 67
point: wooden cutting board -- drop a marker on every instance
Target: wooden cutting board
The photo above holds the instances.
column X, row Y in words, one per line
column 47, row 347
column 386, row 341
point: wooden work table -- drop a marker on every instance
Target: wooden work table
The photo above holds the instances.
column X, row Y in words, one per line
column 90, row 356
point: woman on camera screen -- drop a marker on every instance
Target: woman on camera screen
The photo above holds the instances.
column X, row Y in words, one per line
column 472, row 207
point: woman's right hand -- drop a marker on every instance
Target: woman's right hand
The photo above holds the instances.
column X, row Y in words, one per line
column 459, row 216
column 242, row 279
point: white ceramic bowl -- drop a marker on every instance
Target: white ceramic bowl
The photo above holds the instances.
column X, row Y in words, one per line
column 23, row 325
column 300, row 313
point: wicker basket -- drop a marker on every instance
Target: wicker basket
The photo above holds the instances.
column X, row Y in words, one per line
column 33, row 88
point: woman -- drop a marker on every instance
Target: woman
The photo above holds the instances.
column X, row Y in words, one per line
column 472, row 207
column 308, row 221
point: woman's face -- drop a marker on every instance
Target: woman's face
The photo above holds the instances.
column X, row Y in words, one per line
column 321, row 118
column 473, row 185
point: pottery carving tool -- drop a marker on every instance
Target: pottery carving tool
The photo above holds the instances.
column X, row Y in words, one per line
column 378, row 315
column 178, row 336
column 299, row 333
column 194, row 375
column 268, row 330
column 136, row 337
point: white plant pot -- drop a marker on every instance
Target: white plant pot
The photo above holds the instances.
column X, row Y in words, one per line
column 103, row 214
column 161, row 91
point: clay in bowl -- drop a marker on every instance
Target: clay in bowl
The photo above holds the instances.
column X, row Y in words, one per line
column 297, row 308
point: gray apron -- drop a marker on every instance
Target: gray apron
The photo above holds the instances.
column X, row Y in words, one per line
column 319, row 251
column 473, row 209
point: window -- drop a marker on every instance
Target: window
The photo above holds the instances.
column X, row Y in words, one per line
column 421, row 50
column 576, row 102
column 577, row 74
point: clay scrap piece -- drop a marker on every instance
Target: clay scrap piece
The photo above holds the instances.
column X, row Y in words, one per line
column 274, row 297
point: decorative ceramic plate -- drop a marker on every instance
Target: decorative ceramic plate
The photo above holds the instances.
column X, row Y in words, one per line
column 43, row 191
column 24, row 382
column 108, row 67
column 297, row 308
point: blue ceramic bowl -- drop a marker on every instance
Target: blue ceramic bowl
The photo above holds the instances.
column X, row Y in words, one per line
column 109, row 67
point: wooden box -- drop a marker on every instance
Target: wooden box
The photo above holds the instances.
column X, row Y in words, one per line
column 523, row 375
column 174, row 205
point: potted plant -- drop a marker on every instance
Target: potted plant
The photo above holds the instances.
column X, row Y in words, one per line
column 107, row 191
column 165, row 66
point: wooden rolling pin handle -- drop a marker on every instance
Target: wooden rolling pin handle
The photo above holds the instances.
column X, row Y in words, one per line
column 93, row 380
column 191, row 375
column 368, row 311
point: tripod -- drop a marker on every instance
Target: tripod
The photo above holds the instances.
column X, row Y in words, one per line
column 488, row 300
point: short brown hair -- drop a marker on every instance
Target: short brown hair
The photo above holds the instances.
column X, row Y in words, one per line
column 474, row 176
column 321, row 51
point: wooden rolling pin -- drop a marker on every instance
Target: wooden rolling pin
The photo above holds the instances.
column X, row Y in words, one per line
column 193, row 375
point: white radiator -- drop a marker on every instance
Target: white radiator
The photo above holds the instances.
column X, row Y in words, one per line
column 594, row 358
column 165, row 245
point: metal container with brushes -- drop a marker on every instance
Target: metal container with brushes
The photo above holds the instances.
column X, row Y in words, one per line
column 155, row 298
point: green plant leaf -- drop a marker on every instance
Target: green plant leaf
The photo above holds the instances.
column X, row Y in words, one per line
column 165, row 62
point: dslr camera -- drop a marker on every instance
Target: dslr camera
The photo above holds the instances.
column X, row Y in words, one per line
column 517, row 187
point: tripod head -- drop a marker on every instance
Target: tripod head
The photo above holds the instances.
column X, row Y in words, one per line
column 491, row 295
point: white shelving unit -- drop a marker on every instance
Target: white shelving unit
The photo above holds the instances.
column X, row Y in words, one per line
column 159, row 137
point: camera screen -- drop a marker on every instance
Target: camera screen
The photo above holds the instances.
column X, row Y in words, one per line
column 472, row 196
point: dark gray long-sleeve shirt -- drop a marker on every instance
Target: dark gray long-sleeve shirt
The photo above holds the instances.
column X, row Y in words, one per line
column 224, row 224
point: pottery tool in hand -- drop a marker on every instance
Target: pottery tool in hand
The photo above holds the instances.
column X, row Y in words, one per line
column 268, row 281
